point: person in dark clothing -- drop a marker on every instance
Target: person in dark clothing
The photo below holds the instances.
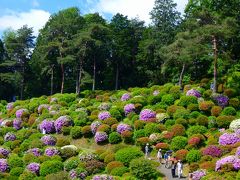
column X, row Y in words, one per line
column 174, row 166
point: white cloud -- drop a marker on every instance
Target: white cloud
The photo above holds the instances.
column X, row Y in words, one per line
column 34, row 18
column 133, row 8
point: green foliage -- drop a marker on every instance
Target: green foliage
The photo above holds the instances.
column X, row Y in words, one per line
column 114, row 138
column 71, row 163
column 119, row 171
column 15, row 161
column 151, row 128
column 127, row 154
column 193, row 156
column 224, row 121
column 76, row 132
column 178, row 142
column 62, row 175
column 17, row 171
column 229, row 111
column 139, row 133
column 196, row 130
column 187, row 100
column 143, row 169
column 168, row 99
column 49, row 167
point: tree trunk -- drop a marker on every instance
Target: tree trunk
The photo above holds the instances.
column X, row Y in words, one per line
column 63, row 77
column 77, row 79
column 94, row 73
column 181, row 76
column 116, row 80
column 22, row 82
column 51, row 80
column 215, row 64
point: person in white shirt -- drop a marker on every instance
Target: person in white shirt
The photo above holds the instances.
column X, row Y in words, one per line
column 179, row 168
column 159, row 155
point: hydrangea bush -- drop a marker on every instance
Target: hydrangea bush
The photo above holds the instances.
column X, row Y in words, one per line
column 10, row 137
column 20, row 112
column 48, row 126
column 229, row 138
column 42, row 106
column 129, row 108
column 17, row 123
column 102, row 177
column 234, row 160
column 193, row 92
column 104, row 115
column 100, row 137
column 221, row 100
column 35, row 151
column 197, row 175
column 212, row 150
column 4, row 152
column 62, row 121
column 48, row 140
column 125, row 97
column 147, row 114
column 123, row 127
column 34, row 167
column 94, row 126
column 51, row 151
column 3, row 165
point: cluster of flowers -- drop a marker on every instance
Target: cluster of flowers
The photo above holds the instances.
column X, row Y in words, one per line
column 10, row 137
column 20, row 112
column 41, row 107
column 100, row 137
column 197, row 175
column 104, row 115
column 62, row 121
column 17, row 124
column 129, row 108
column 123, row 127
column 48, row 140
column 213, row 151
column 51, row 151
column 53, row 100
column 48, row 126
column 154, row 136
column 156, row 92
column 102, row 177
column 34, row 167
column 94, row 126
column 84, row 157
column 221, row 100
column 125, row 97
column 4, row 152
column 193, row 92
column 229, row 138
column 74, row 174
column 147, row 114
column 238, row 151
column 104, row 106
column 9, row 106
column 35, row 151
column 3, row 165
column 228, row 160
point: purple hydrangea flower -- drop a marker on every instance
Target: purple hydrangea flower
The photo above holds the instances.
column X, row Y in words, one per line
column 156, row 92
column 102, row 177
column 123, row 127
column 34, row 167
column 147, row 114
column 221, row 100
column 48, row 140
column 197, row 175
column 213, row 151
column 238, row 151
column 3, row 165
column 62, row 121
column 193, row 92
column 20, row 112
column 41, row 107
column 76, row 174
column 73, row 174
column 228, row 160
column 94, row 126
column 9, row 137
column 100, row 137
column 125, row 97
column 228, row 139
column 48, row 126
column 17, row 124
column 104, row 115
column 129, row 108
column 51, row 151
column 35, row 151
column 4, row 152
column 9, row 106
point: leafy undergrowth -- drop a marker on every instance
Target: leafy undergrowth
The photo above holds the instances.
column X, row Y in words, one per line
column 102, row 134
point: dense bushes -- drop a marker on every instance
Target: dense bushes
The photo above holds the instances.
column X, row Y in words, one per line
column 193, row 156
column 178, row 142
column 49, row 167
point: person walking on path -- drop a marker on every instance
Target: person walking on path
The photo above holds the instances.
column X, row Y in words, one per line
column 174, row 166
column 159, row 156
column 147, row 151
column 179, row 168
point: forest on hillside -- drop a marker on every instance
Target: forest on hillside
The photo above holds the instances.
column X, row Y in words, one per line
column 74, row 52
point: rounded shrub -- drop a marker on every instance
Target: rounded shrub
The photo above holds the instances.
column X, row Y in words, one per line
column 224, row 121
column 143, row 169
column 168, row 99
column 178, row 130
column 186, row 100
column 119, row 171
column 202, row 120
column 216, row 110
column 163, row 146
column 49, row 167
column 114, row 138
column 114, row 164
column 17, row 171
column 193, row 156
column 15, row 161
column 181, row 121
column 178, row 142
column 139, row 133
column 196, row 130
column 206, row 105
column 181, row 113
column 86, row 131
column 76, row 132
column 151, row 128
column 127, row 154
column 71, row 163
column 229, row 111
column 181, row 154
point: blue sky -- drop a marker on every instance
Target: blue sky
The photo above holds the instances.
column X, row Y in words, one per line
column 35, row 13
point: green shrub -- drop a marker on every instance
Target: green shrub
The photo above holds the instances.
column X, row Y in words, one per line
column 27, row 175
column 115, row 113
column 154, row 99
column 196, row 130
column 68, row 152
column 168, row 99
column 71, row 163
column 206, row 105
column 172, row 109
column 86, row 131
column 66, row 130
column 195, row 114
column 178, row 142
column 28, row 158
column 187, row 100
column 216, row 110
column 17, row 171
column 224, row 121
column 49, row 167
column 202, row 120
column 229, row 111
column 143, row 169
column 234, row 102
column 94, row 166
column 169, row 123
column 139, row 133
column 182, row 121
column 62, row 175
column 119, row 171
column 109, row 158
column 193, row 156
column 76, row 132
column 114, row 138
column 181, row 113
column 178, row 130
column 114, row 164
column 139, row 124
column 127, row 154
column 15, row 161
column 62, row 141
column 151, row 128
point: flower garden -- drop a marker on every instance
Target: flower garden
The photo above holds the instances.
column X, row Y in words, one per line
column 102, row 134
